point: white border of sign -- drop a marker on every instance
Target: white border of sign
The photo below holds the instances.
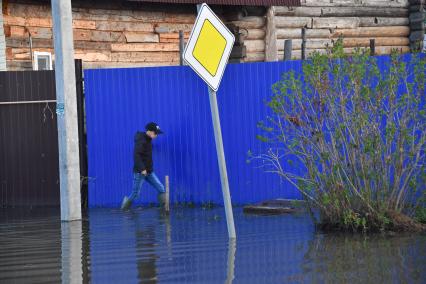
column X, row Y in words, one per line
column 207, row 13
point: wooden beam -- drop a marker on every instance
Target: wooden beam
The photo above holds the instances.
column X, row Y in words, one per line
column 298, row 11
column 293, row 22
column 271, row 37
column 124, row 26
column 297, row 33
column 255, row 34
column 379, row 41
column 145, row 56
column 353, row 3
column 363, row 12
column 254, row 46
column 133, row 47
column 398, row 31
column 141, row 37
column 251, row 22
column 382, row 21
column 335, row 23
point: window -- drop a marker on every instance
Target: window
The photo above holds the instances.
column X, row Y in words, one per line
column 42, row 61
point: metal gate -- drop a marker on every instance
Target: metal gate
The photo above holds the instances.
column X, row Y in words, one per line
column 29, row 174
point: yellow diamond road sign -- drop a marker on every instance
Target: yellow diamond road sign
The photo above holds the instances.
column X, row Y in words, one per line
column 209, row 47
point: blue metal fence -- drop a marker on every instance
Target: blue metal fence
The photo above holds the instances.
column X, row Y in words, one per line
column 121, row 101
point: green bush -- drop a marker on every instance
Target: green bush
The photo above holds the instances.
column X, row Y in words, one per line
column 360, row 145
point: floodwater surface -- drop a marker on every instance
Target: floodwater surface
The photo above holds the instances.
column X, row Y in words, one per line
column 191, row 246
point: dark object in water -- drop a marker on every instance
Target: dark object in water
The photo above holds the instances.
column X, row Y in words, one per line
column 274, row 207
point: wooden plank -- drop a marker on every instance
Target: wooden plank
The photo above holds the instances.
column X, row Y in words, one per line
column 293, row 22
column 310, row 44
column 13, row 21
column 141, row 37
column 364, row 12
column 382, row 21
column 144, row 47
column 335, row 23
column 44, row 22
column 354, row 3
column 87, row 55
column 398, row 31
column 136, row 15
column 27, row 11
column 45, row 33
column 100, row 36
column 124, row 26
column 24, row 53
column 17, row 31
column 145, row 56
column 254, row 34
column 254, row 46
column 23, row 42
column 39, row 22
column 90, row 45
column 172, row 37
column 298, row 11
column 255, row 57
column 36, row 32
column 379, row 41
column 251, row 22
column 172, row 28
column 297, row 33
column 271, row 37
column 83, row 24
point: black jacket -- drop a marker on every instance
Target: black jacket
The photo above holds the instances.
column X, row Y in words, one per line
column 142, row 153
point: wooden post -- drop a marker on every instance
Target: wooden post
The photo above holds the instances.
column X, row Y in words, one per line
column 167, row 202
column 181, row 47
column 304, row 43
column 288, row 46
column 372, row 47
column 271, row 53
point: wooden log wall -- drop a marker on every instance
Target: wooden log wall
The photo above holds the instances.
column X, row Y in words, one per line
column 102, row 37
column 358, row 21
column 117, row 37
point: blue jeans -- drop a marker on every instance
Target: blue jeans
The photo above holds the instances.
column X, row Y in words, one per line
column 138, row 180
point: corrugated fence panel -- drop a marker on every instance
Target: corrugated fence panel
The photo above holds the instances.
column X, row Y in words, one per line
column 121, row 101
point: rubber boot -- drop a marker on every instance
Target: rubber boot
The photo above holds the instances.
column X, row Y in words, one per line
column 125, row 205
column 161, row 199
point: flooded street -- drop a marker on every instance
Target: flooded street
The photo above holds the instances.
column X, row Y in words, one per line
column 191, row 246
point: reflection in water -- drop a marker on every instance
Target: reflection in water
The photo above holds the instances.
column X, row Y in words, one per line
column 192, row 246
column 72, row 265
column 145, row 251
column 338, row 258
column 232, row 248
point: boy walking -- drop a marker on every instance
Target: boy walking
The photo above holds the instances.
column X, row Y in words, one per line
column 143, row 168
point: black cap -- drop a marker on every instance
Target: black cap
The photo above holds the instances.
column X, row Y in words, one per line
column 152, row 126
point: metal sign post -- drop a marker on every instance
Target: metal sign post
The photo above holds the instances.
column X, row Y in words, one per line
column 222, row 164
column 207, row 53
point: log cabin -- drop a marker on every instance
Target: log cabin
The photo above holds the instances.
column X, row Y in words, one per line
column 134, row 33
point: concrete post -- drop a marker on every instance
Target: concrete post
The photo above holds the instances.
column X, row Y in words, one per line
column 2, row 42
column 66, row 110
